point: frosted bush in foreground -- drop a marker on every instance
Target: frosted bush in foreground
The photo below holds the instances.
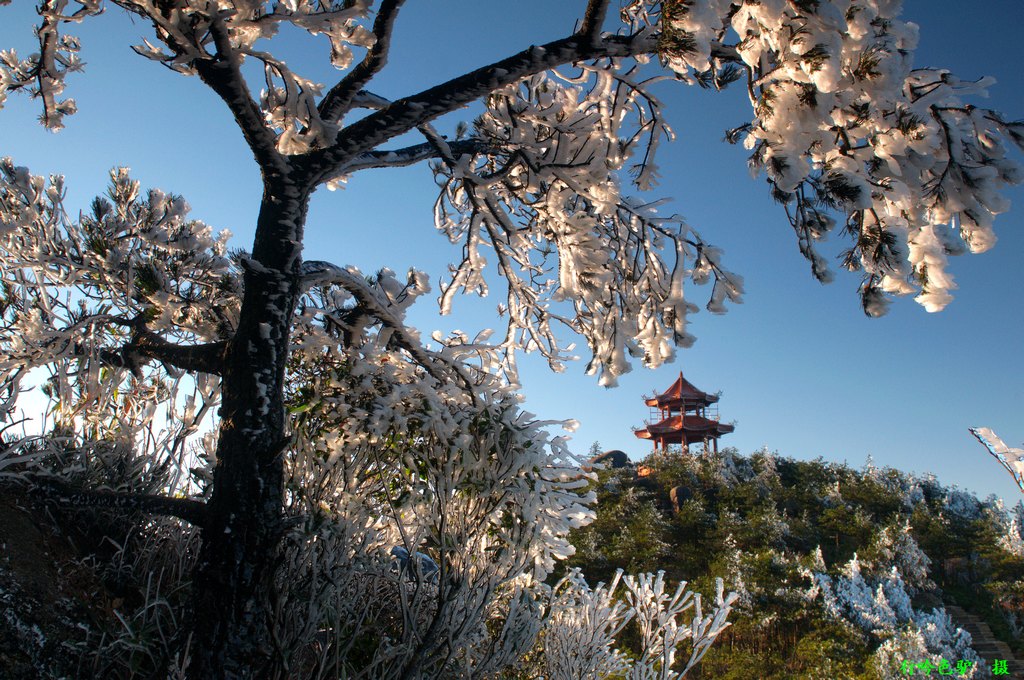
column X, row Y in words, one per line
column 578, row 640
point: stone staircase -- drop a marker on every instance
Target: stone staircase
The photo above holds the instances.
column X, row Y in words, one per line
column 986, row 644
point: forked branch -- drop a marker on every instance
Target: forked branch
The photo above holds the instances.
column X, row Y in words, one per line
column 224, row 76
column 340, row 98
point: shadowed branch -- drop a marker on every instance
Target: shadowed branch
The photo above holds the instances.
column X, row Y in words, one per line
column 60, row 492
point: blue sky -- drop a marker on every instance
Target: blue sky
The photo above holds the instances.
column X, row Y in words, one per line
column 802, row 370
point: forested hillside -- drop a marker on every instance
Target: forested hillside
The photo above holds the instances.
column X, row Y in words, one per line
column 842, row 573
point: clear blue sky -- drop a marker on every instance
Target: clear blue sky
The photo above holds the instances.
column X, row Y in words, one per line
column 802, row 370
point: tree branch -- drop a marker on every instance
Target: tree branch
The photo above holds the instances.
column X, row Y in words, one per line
column 205, row 358
column 409, row 155
column 593, row 19
column 62, row 493
column 373, row 306
column 224, row 76
column 407, row 114
column 340, row 98
column 364, row 99
column 47, row 62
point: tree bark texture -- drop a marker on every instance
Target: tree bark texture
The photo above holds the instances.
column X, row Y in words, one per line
column 233, row 579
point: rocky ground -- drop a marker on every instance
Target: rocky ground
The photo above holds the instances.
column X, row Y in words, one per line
column 49, row 597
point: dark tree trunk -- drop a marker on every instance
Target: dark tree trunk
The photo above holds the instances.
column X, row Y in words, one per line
column 233, row 579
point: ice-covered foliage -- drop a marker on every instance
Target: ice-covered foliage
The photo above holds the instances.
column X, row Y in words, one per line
column 42, row 74
column 196, row 30
column 729, row 468
column 388, row 455
column 914, row 495
column 92, row 300
column 571, row 650
column 833, row 498
column 561, row 141
column 577, row 642
column 844, row 121
column 962, row 504
column 895, row 545
column 547, row 155
column 393, row 449
column 852, row 598
column 734, row 574
column 393, row 443
column 843, row 125
column 934, row 642
column 142, row 319
column 1012, row 538
column 401, row 457
column 879, row 605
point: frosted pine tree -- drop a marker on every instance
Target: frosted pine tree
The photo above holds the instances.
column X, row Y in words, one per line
column 895, row 546
column 1013, row 538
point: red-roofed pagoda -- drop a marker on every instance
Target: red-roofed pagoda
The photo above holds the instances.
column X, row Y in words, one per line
column 684, row 418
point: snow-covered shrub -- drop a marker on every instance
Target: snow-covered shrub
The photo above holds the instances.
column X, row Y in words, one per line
column 895, row 547
column 577, row 641
column 962, row 505
column 880, row 608
column 933, row 641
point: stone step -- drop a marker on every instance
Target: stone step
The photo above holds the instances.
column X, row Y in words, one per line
column 996, row 645
column 991, row 655
column 985, row 643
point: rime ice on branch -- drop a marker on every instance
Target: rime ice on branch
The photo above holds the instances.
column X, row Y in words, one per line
column 1010, row 458
column 843, row 125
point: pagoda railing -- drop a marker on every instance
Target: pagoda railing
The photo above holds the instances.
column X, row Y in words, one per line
column 710, row 412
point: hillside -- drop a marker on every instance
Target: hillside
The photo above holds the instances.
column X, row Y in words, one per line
column 842, row 573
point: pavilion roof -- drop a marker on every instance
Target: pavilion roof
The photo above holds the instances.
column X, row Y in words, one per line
column 681, row 392
column 692, row 428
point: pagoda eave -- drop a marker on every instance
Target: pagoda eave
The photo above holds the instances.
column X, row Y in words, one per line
column 675, row 428
column 681, row 393
column 677, row 402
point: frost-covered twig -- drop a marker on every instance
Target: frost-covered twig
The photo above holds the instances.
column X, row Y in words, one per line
column 1010, row 458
